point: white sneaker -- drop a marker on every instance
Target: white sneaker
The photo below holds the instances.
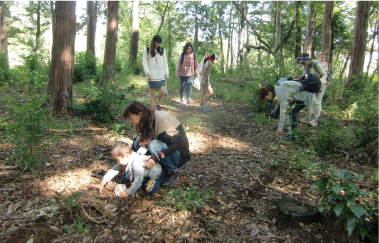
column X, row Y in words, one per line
column 304, row 120
column 183, row 103
column 313, row 123
column 188, row 105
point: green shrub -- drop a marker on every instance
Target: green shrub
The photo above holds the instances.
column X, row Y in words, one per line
column 189, row 198
column 84, row 67
column 26, row 124
column 341, row 194
column 5, row 74
column 99, row 101
column 327, row 137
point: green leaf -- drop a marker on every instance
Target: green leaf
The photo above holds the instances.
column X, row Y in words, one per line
column 363, row 232
column 336, row 188
column 363, row 193
column 357, row 210
column 337, row 173
column 351, row 222
column 350, row 199
column 30, row 240
column 339, row 208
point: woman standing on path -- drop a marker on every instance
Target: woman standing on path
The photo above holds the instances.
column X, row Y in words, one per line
column 204, row 79
column 185, row 69
column 155, row 66
column 314, row 67
column 163, row 135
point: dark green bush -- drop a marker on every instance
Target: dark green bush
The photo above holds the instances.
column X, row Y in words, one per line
column 100, row 101
column 5, row 74
column 84, row 67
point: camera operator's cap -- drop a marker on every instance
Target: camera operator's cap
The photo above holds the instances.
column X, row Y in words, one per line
column 304, row 57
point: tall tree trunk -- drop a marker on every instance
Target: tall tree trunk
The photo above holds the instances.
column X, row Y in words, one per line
column 169, row 39
column 4, row 31
column 345, row 65
column 359, row 41
column 298, row 32
column 110, row 43
column 196, row 37
column 372, row 45
column 231, row 47
column 135, row 33
column 91, row 26
column 278, row 36
column 229, row 39
column 309, row 33
column 220, row 36
column 260, row 33
column 242, row 32
column 327, row 30
column 38, row 34
column 53, row 18
column 377, row 62
column 62, row 63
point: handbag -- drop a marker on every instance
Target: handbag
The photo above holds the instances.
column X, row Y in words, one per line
column 196, row 83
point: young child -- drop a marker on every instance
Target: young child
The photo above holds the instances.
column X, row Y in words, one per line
column 132, row 163
column 204, row 79
column 322, row 59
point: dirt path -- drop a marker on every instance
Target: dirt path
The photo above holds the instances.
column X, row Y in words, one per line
column 230, row 156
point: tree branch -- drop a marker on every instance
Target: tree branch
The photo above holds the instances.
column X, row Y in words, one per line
column 163, row 15
column 288, row 33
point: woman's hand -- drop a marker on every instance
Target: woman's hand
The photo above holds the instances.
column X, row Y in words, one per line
column 279, row 132
column 99, row 187
column 167, row 78
column 123, row 194
column 150, row 163
column 297, row 76
column 327, row 83
column 149, row 77
column 177, row 76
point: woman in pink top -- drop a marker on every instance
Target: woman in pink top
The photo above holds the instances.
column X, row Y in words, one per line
column 185, row 69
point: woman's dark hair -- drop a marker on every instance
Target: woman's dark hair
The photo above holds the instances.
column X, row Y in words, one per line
column 156, row 38
column 209, row 57
column 264, row 91
column 143, row 128
column 185, row 49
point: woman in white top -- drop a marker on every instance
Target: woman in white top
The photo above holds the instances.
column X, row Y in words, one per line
column 155, row 66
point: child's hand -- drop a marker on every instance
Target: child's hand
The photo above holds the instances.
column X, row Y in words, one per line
column 99, row 187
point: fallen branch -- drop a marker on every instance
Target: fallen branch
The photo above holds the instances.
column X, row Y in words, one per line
column 257, row 178
column 272, row 236
column 9, row 167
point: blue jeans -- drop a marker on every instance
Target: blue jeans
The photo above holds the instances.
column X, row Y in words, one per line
column 186, row 83
column 169, row 163
column 299, row 105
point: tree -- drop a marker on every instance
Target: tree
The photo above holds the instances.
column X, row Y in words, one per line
column 298, row 32
column 91, row 26
column 62, row 61
column 110, row 43
column 308, row 39
column 196, row 37
column 163, row 17
column 263, row 44
column 359, row 41
column 242, row 31
column 327, row 31
column 220, row 36
column 38, row 34
column 135, row 33
column 3, row 30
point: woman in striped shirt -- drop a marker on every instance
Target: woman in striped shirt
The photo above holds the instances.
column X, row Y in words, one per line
column 185, row 69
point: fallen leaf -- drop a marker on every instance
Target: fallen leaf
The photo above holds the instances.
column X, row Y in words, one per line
column 254, row 231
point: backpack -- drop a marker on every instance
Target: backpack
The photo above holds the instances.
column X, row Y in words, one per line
column 194, row 60
column 200, row 66
column 311, row 84
column 148, row 50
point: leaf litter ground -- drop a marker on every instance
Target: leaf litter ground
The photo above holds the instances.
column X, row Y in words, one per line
column 232, row 155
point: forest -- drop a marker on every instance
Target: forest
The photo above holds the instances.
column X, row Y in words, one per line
column 68, row 69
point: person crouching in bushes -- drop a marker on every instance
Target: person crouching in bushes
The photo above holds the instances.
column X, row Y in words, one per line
column 204, row 79
column 294, row 91
column 132, row 163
